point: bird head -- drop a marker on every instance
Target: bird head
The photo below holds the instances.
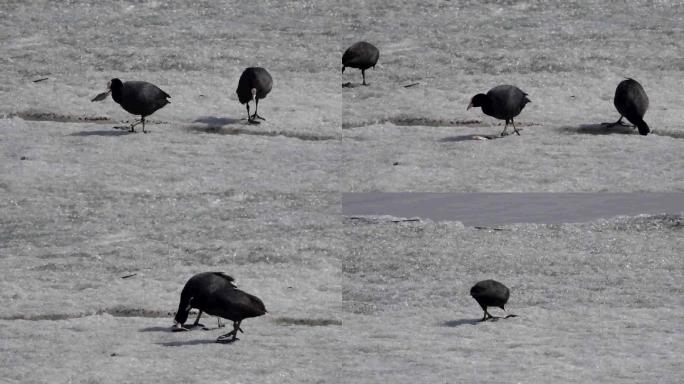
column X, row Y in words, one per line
column 183, row 312
column 113, row 83
column 477, row 101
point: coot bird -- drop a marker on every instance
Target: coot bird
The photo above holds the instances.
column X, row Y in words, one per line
column 631, row 101
column 503, row 102
column 490, row 293
column 136, row 97
column 255, row 83
column 216, row 294
column 361, row 55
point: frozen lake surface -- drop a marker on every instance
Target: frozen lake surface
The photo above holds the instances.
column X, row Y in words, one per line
column 489, row 209
column 83, row 205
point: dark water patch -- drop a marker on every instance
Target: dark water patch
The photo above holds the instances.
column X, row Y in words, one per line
column 600, row 129
column 621, row 129
column 420, row 121
column 359, row 308
column 411, row 121
column 189, row 342
column 117, row 311
column 473, row 137
column 32, row 115
column 458, row 323
column 494, row 209
column 108, row 133
column 221, row 130
column 307, row 322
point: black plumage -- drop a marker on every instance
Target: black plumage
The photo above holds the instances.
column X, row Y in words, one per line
column 216, row 294
column 503, row 102
column 136, row 97
column 631, row 101
column 255, row 83
column 361, row 55
column 490, row 293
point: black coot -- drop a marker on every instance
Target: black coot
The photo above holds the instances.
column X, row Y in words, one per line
column 631, row 101
column 503, row 102
column 490, row 293
column 255, row 83
column 216, row 294
column 136, row 97
column 361, row 55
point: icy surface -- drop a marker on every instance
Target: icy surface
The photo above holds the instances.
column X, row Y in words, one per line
column 491, row 209
column 83, row 205
column 568, row 56
column 599, row 302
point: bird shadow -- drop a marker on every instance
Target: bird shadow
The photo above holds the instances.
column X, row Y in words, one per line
column 458, row 323
column 471, row 137
column 156, row 329
column 189, row 342
column 353, row 85
column 600, row 129
column 118, row 131
column 216, row 122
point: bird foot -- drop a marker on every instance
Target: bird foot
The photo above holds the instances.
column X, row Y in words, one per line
column 347, row 85
column 255, row 116
column 615, row 123
column 226, row 340
column 179, row 328
column 252, row 121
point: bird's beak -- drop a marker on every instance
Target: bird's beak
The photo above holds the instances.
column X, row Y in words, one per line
column 102, row 96
column 469, row 106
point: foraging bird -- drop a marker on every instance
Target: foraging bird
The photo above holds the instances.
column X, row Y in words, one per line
column 631, row 101
column 490, row 293
column 361, row 55
column 216, row 294
column 255, row 83
column 503, row 102
column 136, row 97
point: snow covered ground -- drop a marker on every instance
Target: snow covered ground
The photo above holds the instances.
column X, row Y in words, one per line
column 83, row 205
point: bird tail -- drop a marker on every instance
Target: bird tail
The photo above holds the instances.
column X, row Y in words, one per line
column 643, row 127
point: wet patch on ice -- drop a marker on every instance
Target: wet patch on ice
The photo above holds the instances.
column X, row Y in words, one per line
column 458, row 323
column 307, row 322
column 117, row 311
column 410, row 121
column 34, row 115
column 220, row 129
column 476, row 137
column 371, row 219
column 359, row 308
column 421, row 121
column 608, row 129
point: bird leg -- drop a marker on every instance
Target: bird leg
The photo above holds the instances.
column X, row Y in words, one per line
column 249, row 117
column 504, row 133
column 514, row 128
column 136, row 123
column 363, row 74
column 227, row 337
column 486, row 315
column 220, row 324
column 255, row 115
column 142, row 119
